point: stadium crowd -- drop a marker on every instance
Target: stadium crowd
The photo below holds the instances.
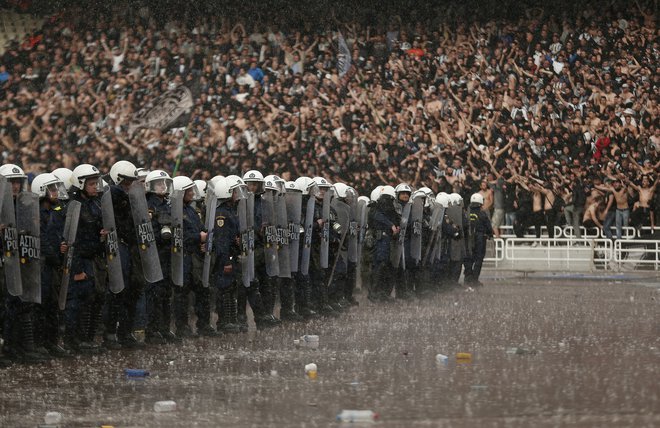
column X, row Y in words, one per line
column 550, row 110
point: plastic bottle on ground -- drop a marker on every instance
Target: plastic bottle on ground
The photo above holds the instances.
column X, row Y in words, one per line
column 136, row 372
column 53, row 418
column 164, row 406
column 357, row 416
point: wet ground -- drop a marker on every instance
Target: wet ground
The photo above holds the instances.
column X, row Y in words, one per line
column 587, row 354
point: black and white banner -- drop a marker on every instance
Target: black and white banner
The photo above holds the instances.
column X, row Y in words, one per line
column 343, row 56
column 168, row 110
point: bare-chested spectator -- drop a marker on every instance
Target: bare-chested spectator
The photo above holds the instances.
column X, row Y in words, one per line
column 487, row 193
column 592, row 214
column 620, row 193
column 643, row 213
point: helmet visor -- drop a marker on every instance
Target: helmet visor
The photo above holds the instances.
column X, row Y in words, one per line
column 160, row 186
column 239, row 192
column 57, row 190
column 313, row 190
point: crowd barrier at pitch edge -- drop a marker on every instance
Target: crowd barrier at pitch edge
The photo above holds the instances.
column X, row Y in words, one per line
column 573, row 255
column 628, row 232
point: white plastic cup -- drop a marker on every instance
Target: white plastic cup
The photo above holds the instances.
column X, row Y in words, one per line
column 164, row 406
column 311, row 371
column 441, row 358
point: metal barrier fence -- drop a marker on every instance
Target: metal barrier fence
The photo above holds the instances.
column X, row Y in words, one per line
column 628, row 232
column 571, row 254
column 637, row 254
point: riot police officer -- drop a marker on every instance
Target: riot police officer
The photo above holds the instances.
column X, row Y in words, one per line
column 18, row 326
column 422, row 226
column 323, row 235
column 458, row 247
column 51, row 191
column 384, row 221
column 122, row 309
column 480, row 231
column 343, row 270
column 193, row 236
column 259, row 293
column 226, row 250
column 290, row 201
column 308, row 188
column 86, row 185
column 404, row 286
column 158, row 187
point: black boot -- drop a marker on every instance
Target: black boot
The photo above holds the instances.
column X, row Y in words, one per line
column 227, row 319
column 185, row 332
column 242, row 299
column 83, row 344
column 5, row 362
column 287, row 311
column 96, row 324
column 111, row 343
column 305, row 304
column 325, row 309
column 25, row 350
column 349, row 285
column 208, row 331
column 267, row 291
column 170, row 337
column 129, row 341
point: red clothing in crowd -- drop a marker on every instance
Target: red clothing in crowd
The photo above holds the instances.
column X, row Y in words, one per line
column 415, row 52
column 601, row 144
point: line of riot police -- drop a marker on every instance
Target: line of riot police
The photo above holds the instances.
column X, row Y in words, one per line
column 126, row 258
column 419, row 243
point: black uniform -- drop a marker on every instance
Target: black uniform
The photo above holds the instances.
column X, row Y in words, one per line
column 480, row 231
column 81, row 295
column 159, row 294
column 123, row 307
column 382, row 216
column 226, row 250
column 192, row 262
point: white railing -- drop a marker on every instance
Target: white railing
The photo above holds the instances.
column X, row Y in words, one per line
column 530, row 232
column 644, row 230
column 558, row 253
column 590, row 233
column 626, row 253
column 497, row 251
column 627, row 232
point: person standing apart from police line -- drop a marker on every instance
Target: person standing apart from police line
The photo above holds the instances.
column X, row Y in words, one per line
column 480, row 231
